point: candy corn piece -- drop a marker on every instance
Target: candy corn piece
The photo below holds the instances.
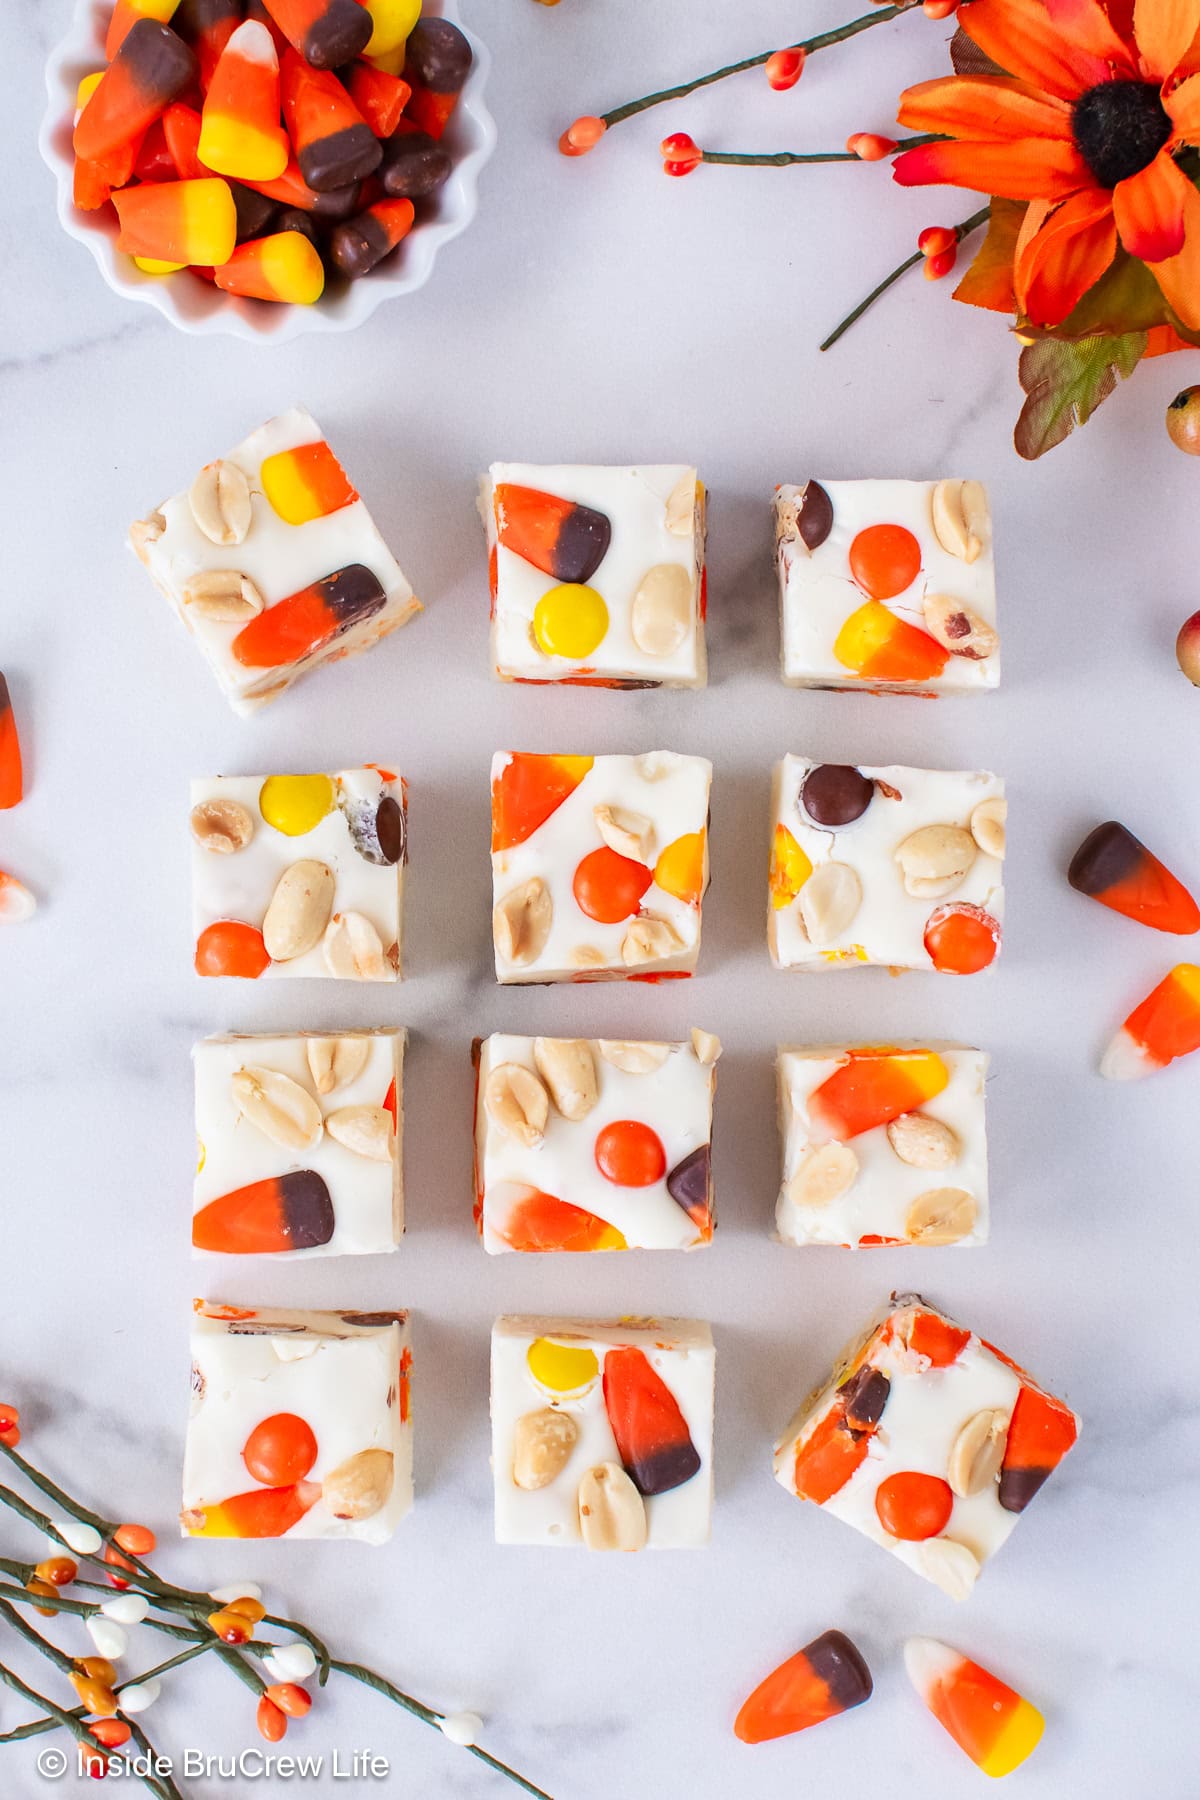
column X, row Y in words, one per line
column 11, row 783
column 1164, row 1026
column 208, row 26
column 790, row 868
column 873, row 1087
column 379, row 97
column 308, row 620
column 827, row 1677
column 285, row 266
column 327, row 33
column 125, row 15
column 291, row 189
column 241, row 134
column 1040, row 1433
column 538, row 1221
column 150, row 68
column 437, row 60
column 154, row 161
column 653, row 1441
column 261, row 1513
column 16, row 902
column 306, row 483
column 392, row 20
column 95, row 181
column 1113, row 867
column 559, row 537
column 178, row 221
column 528, row 789
column 358, row 244
column 985, row 1717
column 334, row 145
column 181, row 129
column 290, row 1212
column 880, row 646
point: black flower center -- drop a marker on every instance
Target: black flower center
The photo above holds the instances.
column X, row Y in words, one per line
column 1119, row 128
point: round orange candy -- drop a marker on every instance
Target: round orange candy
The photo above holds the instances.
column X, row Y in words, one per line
column 884, row 560
column 280, row 1450
column 961, row 939
column 609, row 887
column 231, row 948
column 914, row 1507
column 630, row 1154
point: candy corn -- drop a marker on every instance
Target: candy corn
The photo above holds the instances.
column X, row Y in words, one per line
column 1113, row 867
column 289, row 1212
column 261, row 1513
column 16, row 902
column 1040, row 1433
column 306, row 483
column 334, row 145
column 208, row 26
column 437, row 58
column 358, row 244
column 327, row 33
column 528, row 790
column 291, row 189
column 11, row 783
column 284, row 267
column 379, row 97
column 873, row 1087
column 985, row 1717
column 392, row 20
column 308, row 620
column 240, row 134
column 178, row 221
column 560, row 537
column 538, row 1221
column 125, row 15
column 827, row 1677
column 652, row 1438
column 877, row 644
column 1164, row 1026
column 181, row 126
column 150, row 68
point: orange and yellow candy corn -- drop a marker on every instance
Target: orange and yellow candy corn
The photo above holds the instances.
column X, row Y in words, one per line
column 306, row 483
column 538, row 1221
column 150, row 68
column 880, row 646
column 996, row 1727
column 261, row 1513
column 125, row 15
column 284, row 267
column 1115, row 868
column 392, row 20
column 240, row 134
column 178, row 221
column 1166, row 1025
column 11, row 780
column 528, row 789
column 870, row 1088
column 827, row 1677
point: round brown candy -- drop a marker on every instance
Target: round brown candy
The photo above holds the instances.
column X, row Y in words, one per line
column 437, row 55
column 836, row 794
column 413, row 166
column 294, row 218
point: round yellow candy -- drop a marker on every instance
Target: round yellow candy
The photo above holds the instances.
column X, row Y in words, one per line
column 295, row 804
column 561, row 1368
column 570, row 620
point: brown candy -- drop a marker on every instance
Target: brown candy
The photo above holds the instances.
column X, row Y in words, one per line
column 815, row 519
column 836, row 794
column 413, row 166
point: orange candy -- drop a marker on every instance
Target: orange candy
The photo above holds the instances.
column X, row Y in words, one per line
column 680, row 868
column 873, row 1087
column 608, row 887
column 11, row 780
column 284, row 267
column 884, row 560
column 1040, row 1433
column 527, row 790
column 828, row 1457
column 150, row 68
column 181, row 130
column 125, row 15
column 306, row 483
column 539, row 1221
column 827, row 1677
column 379, row 97
column 112, row 1733
column 651, row 1434
column 1166, row 1025
column 939, row 1342
column 913, row 1507
column 962, row 939
column 178, row 221
column 261, row 1513
column 231, row 948
column 562, row 538
column 878, row 645
column 10, row 1426
column 280, row 1213
column 334, row 145
column 994, row 1724
column 630, row 1154
column 315, row 616
column 280, row 1450
column 240, row 133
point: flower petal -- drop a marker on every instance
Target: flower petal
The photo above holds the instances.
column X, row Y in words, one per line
column 1021, row 36
column 1183, row 104
column 1089, row 28
column 1149, row 209
column 983, row 106
column 1038, row 169
column 1059, row 262
column 1179, row 276
column 1164, row 30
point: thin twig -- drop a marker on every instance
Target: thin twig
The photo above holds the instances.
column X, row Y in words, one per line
column 783, row 159
column 961, row 231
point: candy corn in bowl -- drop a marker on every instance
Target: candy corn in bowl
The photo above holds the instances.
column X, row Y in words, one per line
column 263, row 168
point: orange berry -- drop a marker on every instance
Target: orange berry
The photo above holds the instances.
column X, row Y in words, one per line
column 35, row 1585
column 61, row 1570
column 939, row 9
column 884, row 560
column 681, row 154
column 630, row 1154
column 231, row 1627
column 608, row 887
column 936, row 238
column 271, row 1721
column 93, row 1763
column 290, row 1698
column 250, row 1609
column 10, row 1426
column 98, row 1668
column 139, row 1540
column 585, row 134
column 913, row 1507
column 870, row 146
column 941, row 264
column 112, row 1733
column 96, row 1696
column 280, row 1450
column 116, row 1561
column 785, row 68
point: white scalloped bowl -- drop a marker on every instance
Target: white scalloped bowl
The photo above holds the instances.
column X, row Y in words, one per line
column 197, row 307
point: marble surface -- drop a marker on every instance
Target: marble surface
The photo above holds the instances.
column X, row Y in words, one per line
column 597, row 311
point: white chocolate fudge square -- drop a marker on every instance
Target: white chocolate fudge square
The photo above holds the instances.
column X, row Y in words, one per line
column 301, row 1424
column 887, row 585
column 594, row 1144
column 897, row 866
column 300, row 874
column 299, row 1144
column 602, row 1432
column 599, row 865
column 883, row 1145
column 596, row 574
column 929, row 1441
column 273, row 562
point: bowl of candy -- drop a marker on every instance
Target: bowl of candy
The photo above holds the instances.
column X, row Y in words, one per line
column 262, row 168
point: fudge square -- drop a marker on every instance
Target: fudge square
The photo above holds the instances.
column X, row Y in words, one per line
column 929, row 1441
column 300, row 1424
column 602, row 1432
column 896, row 866
column 599, row 865
column 273, row 562
column 299, row 1143
column 597, row 574
column 883, row 1146
column 594, row 1143
column 300, row 874
column 888, row 585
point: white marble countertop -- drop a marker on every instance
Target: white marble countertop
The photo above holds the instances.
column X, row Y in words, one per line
column 598, row 311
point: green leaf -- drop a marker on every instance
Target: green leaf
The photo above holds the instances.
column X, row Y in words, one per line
column 1065, row 383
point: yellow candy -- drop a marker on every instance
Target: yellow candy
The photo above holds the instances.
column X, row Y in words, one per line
column 87, row 88
column 790, row 868
column 150, row 265
column 1018, row 1738
column 680, row 868
column 570, row 620
column 394, row 19
column 295, row 804
column 561, row 1368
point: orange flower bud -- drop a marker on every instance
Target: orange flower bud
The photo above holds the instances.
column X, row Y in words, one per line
column 936, row 238
column 231, row 1627
column 582, row 135
column 939, row 9
column 870, row 146
column 36, row 1585
column 680, row 153
column 785, row 68
column 271, row 1722
column 139, row 1540
column 60, row 1570
column 941, row 264
column 249, row 1608
column 112, row 1733
column 290, row 1698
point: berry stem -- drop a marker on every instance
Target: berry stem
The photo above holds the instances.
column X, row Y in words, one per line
column 782, row 159
column 879, row 16
column 39, row 1727
column 961, row 231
